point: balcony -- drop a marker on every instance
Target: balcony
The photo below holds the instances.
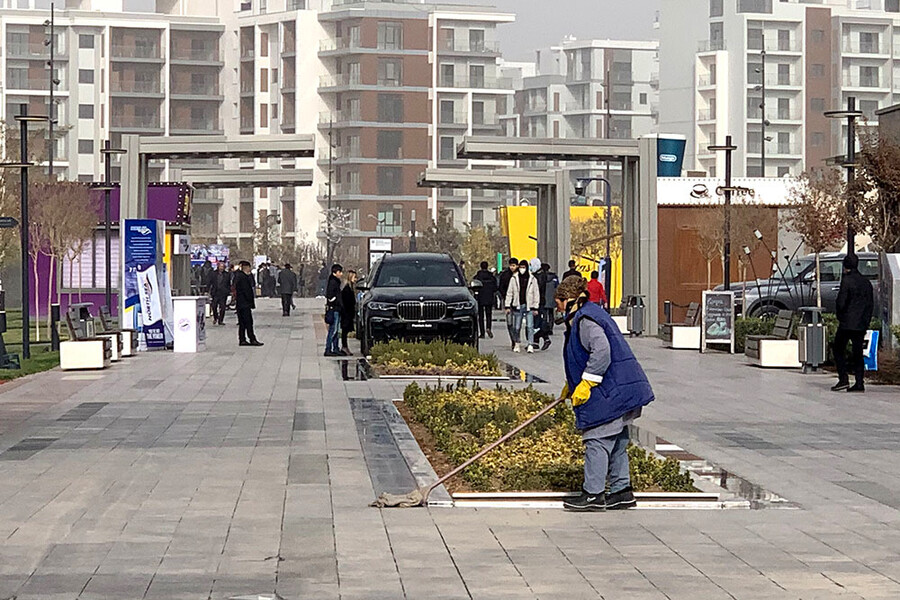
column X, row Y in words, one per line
column 209, row 56
column 247, row 88
column 196, row 126
column 338, row 153
column 706, row 114
column 706, row 81
column 247, row 53
column 780, row 80
column 247, row 124
column 622, row 77
column 775, row 115
column 457, row 118
column 859, row 47
column 338, row 189
column 773, row 45
column 480, row 48
column 857, row 81
column 711, row 46
column 36, row 84
column 484, row 83
column 197, row 92
column 134, row 123
column 136, row 53
column 342, row 80
column 337, row 44
column 153, row 88
column 34, row 52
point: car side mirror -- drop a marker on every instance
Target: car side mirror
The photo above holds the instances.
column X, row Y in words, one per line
column 476, row 285
column 362, row 286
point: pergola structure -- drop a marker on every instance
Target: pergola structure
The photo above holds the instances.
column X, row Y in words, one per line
column 638, row 160
column 219, row 179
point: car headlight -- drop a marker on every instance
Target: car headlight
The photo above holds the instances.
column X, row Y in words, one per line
column 381, row 306
column 466, row 305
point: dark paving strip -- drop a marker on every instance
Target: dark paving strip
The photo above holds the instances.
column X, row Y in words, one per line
column 147, row 384
column 872, row 491
column 309, row 421
column 309, row 384
column 26, row 448
column 387, row 467
column 748, row 441
column 83, row 411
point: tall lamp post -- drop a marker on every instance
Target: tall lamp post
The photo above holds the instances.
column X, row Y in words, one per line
column 763, row 122
column 580, row 187
column 108, row 152
column 728, row 148
column 50, row 42
column 851, row 114
column 23, row 165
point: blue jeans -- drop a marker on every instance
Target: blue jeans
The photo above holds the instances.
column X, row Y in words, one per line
column 333, row 342
column 606, row 459
column 518, row 315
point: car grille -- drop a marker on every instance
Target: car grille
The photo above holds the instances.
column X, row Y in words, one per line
column 430, row 310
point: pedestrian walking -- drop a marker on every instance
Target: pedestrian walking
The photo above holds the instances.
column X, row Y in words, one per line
column 334, row 303
column 549, row 305
column 572, row 271
column 504, row 279
column 485, row 296
column 219, row 289
column 245, row 300
column 855, row 305
column 595, row 289
column 348, row 310
column 608, row 389
column 523, row 300
column 287, row 284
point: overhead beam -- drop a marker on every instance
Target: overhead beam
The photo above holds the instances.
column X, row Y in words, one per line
column 486, row 179
column 247, row 178
column 517, row 148
column 220, row 146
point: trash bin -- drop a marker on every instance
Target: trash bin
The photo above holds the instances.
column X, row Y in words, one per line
column 812, row 335
column 635, row 315
column 81, row 319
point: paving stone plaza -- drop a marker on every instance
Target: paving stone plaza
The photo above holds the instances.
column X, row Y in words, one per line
column 241, row 471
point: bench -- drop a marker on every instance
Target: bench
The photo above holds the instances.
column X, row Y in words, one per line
column 84, row 353
column 778, row 350
column 686, row 335
column 129, row 336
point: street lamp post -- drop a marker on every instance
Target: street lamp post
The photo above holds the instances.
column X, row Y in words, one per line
column 108, row 151
column 579, row 191
column 23, row 165
column 50, row 42
column 728, row 149
column 763, row 122
column 851, row 114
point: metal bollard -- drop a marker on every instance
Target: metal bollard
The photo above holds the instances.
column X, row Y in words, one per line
column 667, row 310
column 54, row 327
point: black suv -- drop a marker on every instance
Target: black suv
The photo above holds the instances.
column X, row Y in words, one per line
column 416, row 296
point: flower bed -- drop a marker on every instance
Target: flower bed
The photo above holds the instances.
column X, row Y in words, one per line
column 548, row 456
column 432, row 358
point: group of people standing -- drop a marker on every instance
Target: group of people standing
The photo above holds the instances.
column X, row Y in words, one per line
column 340, row 310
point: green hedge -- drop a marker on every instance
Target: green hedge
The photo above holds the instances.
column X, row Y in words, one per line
column 432, row 358
column 745, row 326
column 548, row 455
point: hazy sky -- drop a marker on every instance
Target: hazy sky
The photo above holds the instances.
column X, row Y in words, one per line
column 542, row 23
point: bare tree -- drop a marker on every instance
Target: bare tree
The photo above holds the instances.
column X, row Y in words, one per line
column 819, row 214
column 877, row 190
column 710, row 238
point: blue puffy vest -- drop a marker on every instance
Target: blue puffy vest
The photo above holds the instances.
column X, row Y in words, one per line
column 625, row 386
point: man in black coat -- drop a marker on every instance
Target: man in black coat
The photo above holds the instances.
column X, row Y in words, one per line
column 485, row 296
column 855, row 305
column 505, row 277
column 245, row 301
column 334, row 306
column 572, row 271
column 287, row 284
column 219, row 289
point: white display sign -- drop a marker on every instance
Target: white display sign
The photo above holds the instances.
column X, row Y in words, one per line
column 181, row 244
column 190, row 323
column 381, row 244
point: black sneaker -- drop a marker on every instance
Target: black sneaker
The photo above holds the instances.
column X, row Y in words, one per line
column 586, row 503
column 490, row 334
column 256, row 343
column 840, row 386
column 621, row 500
column 859, row 388
column 243, row 343
column 546, row 344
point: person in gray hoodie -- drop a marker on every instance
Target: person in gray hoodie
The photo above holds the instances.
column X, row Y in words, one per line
column 523, row 301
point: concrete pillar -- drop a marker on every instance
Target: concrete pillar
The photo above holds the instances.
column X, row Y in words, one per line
column 644, row 241
column 133, row 203
column 559, row 242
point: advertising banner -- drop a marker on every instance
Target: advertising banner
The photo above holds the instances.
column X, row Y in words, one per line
column 214, row 253
column 144, row 309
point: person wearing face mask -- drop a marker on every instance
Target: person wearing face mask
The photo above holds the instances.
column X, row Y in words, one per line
column 523, row 301
column 503, row 287
column 608, row 389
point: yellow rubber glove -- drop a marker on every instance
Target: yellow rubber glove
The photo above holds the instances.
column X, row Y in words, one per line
column 582, row 392
column 565, row 391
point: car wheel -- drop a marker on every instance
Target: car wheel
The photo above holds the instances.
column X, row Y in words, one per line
column 766, row 311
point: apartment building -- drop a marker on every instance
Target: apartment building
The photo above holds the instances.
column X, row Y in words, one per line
column 588, row 89
column 721, row 59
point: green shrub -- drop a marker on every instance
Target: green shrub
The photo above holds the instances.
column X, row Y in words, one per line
column 548, row 455
column 745, row 326
column 432, row 358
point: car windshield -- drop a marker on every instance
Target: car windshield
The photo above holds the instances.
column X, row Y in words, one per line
column 418, row 273
column 798, row 267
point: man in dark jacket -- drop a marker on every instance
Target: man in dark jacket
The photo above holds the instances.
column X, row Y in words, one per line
column 245, row 301
column 485, row 295
column 572, row 271
column 287, row 283
column 219, row 289
column 505, row 278
column 855, row 305
column 334, row 305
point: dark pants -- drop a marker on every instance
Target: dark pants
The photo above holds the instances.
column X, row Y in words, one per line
column 245, row 324
column 286, row 302
column 548, row 316
column 856, row 364
column 346, row 328
column 218, row 308
column 485, row 318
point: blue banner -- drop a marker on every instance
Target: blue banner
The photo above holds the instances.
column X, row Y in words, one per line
column 143, row 245
column 670, row 155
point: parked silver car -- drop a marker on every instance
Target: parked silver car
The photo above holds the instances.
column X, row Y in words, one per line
column 796, row 286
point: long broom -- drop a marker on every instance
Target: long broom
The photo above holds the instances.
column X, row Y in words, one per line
column 419, row 497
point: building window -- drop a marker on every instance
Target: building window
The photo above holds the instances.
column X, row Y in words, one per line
column 868, row 108
column 782, row 171
column 390, row 108
column 556, row 129
column 447, row 39
column 642, row 98
column 476, row 76
column 274, row 111
column 447, row 111
column 263, row 44
column 817, row 36
column 390, row 219
column 868, row 42
column 784, row 75
column 476, row 40
column 85, row 111
column 390, row 72
column 784, row 39
column 868, row 77
column 263, row 115
column 448, row 75
column 390, row 35
column 390, row 181
column 892, row 5
column 817, row 70
column 263, row 80
column 448, row 148
column 715, row 8
column 85, row 76
column 85, row 146
column 817, row 105
column 478, row 113
column 245, row 218
column 816, row 139
column 784, row 143
column 85, row 41
column 390, row 144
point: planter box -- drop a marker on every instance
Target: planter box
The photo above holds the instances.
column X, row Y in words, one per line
column 773, row 353
column 680, row 337
column 116, row 345
column 94, row 353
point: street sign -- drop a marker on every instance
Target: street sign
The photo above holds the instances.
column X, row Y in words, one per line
column 8, row 222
